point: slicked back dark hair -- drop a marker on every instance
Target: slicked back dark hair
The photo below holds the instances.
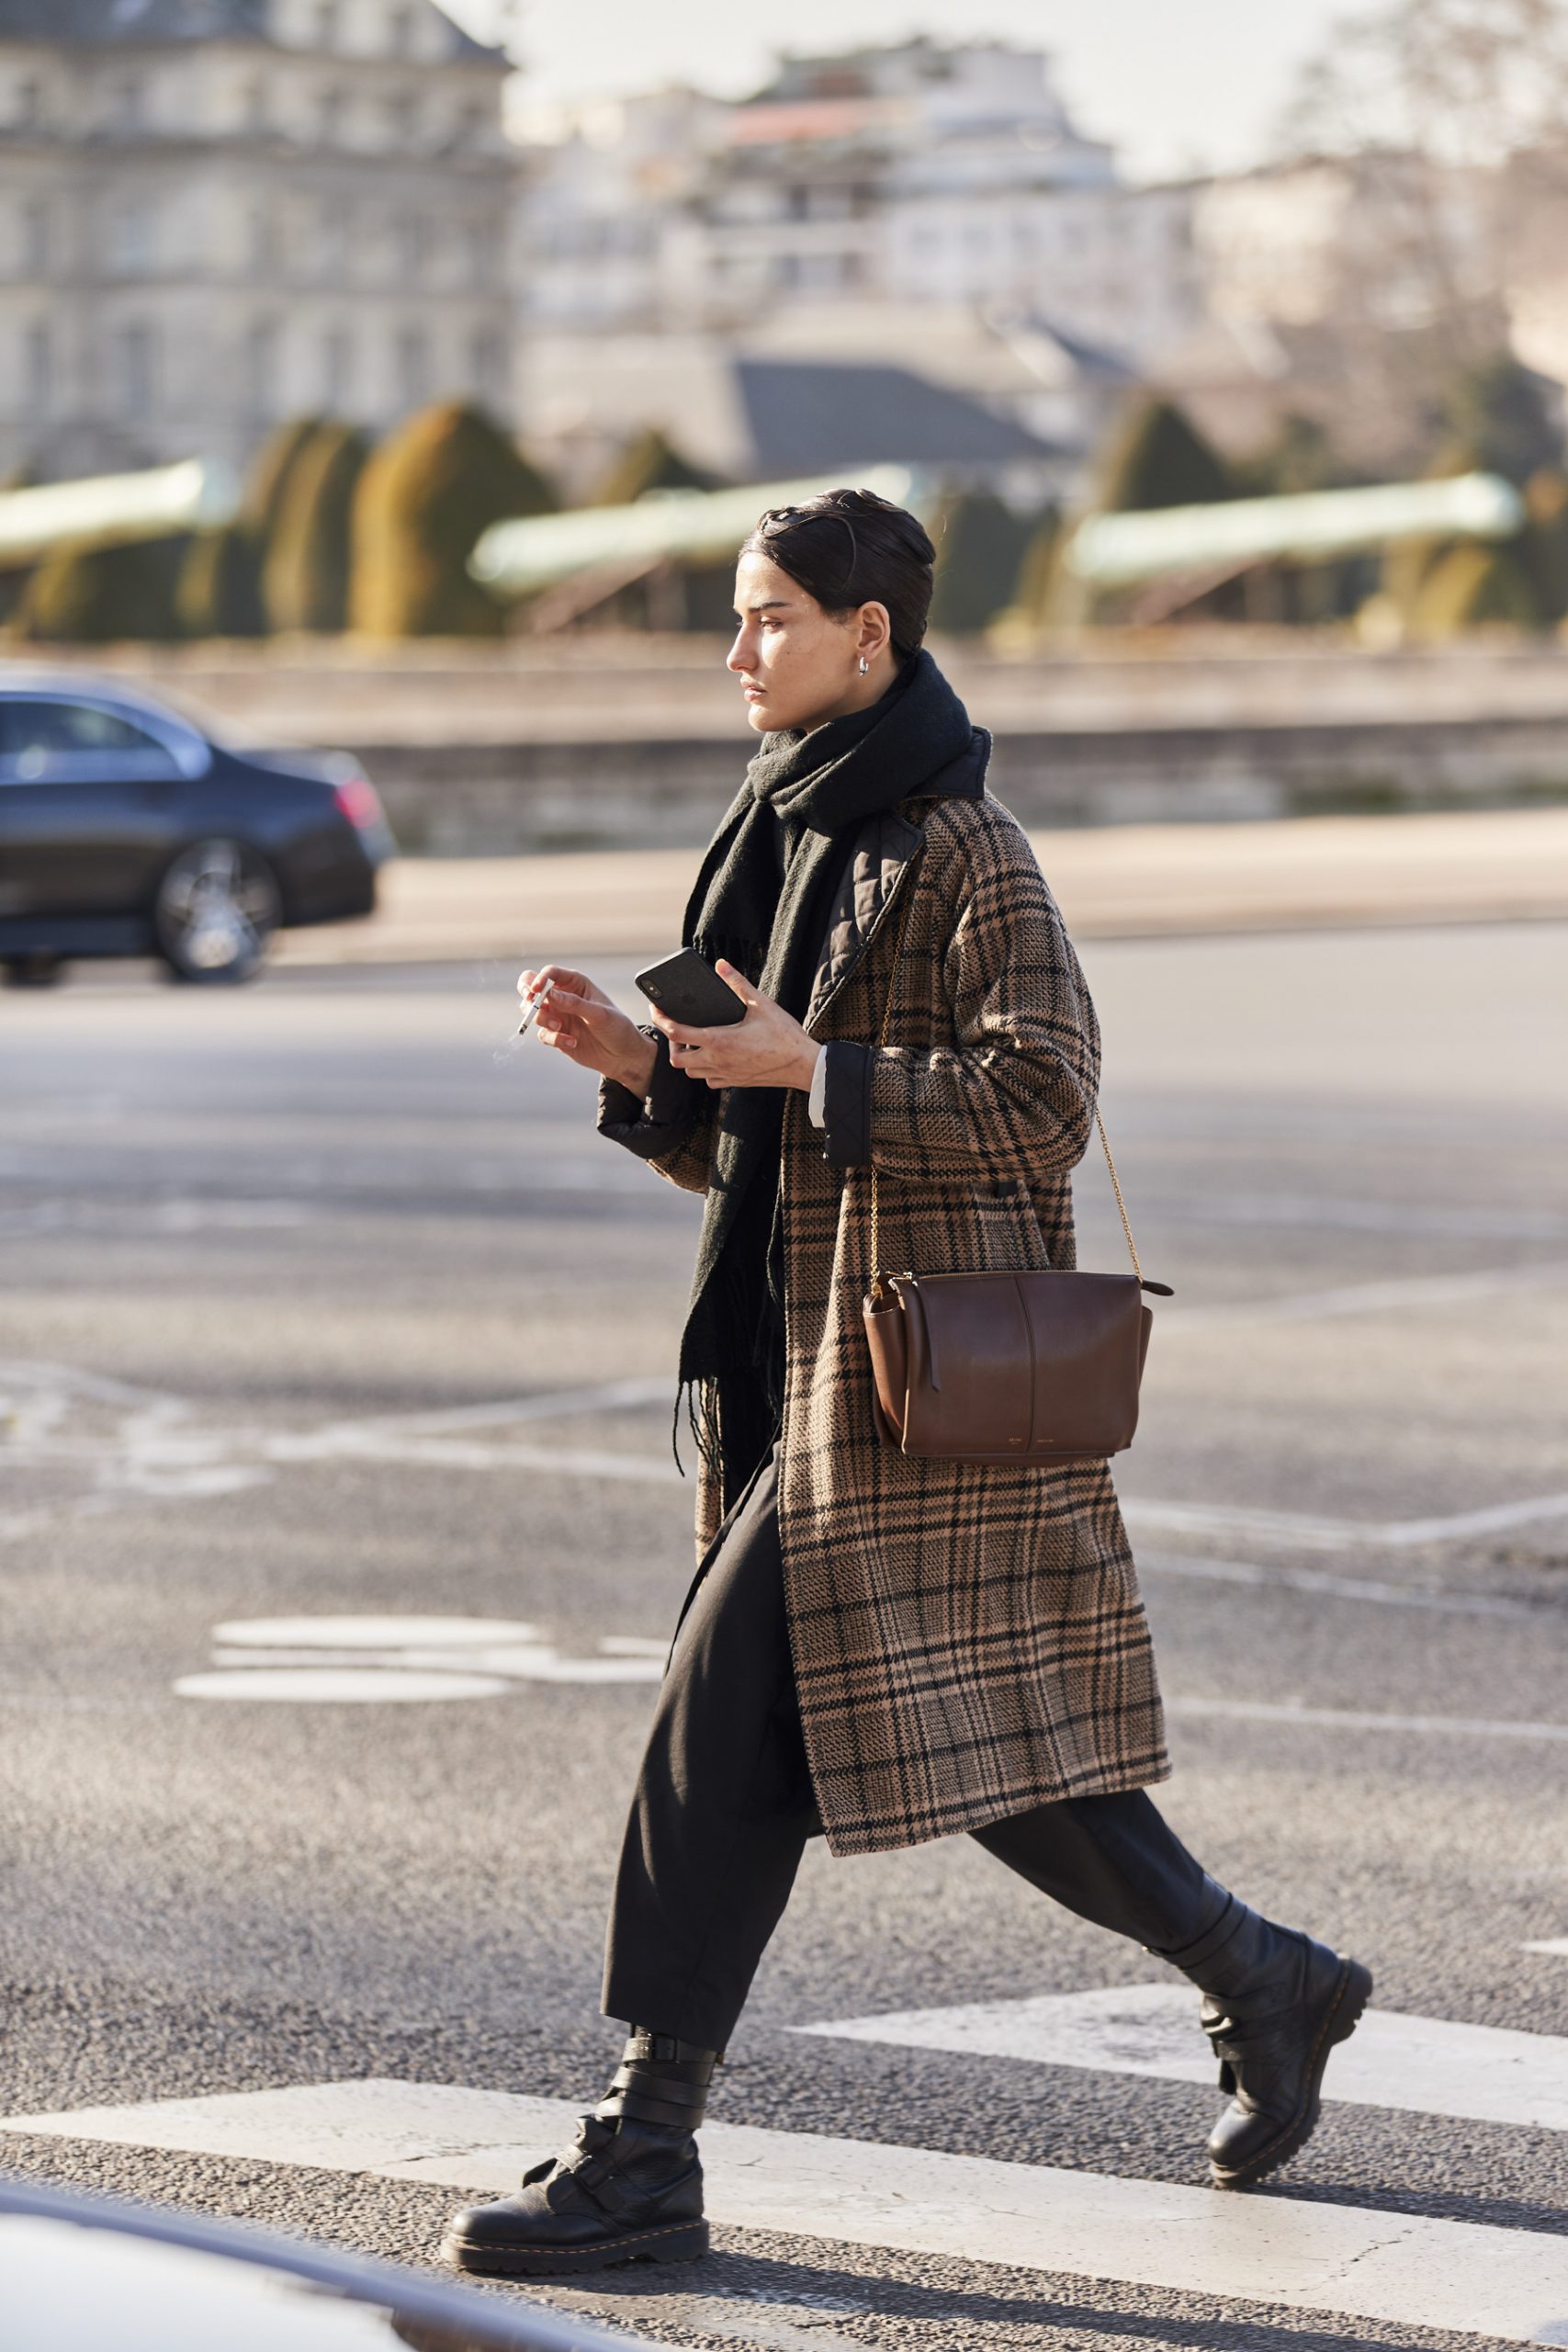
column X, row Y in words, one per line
column 849, row 547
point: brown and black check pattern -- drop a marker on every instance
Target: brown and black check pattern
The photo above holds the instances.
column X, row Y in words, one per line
column 969, row 1639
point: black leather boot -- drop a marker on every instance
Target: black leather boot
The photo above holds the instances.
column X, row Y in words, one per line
column 1275, row 2003
column 628, row 2189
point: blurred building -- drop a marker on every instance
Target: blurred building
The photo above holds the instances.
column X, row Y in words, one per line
column 916, row 173
column 608, row 233
column 928, row 206
column 1355, row 289
column 216, row 213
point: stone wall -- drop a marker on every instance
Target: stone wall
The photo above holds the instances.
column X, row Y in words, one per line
column 495, row 798
column 591, row 740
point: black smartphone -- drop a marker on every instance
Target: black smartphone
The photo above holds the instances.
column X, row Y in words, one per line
column 691, row 992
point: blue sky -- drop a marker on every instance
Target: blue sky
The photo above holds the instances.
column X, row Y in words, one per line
column 1176, row 84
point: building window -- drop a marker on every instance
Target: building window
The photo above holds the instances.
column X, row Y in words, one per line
column 329, row 117
column 410, row 245
column 331, row 241
column 261, row 242
column 253, row 108
column 478, row 250
column 261, row 369
column 337, row 369
column 128, row 240
column 35, row 240
column 403, row 119
column 40, row 365
column 136, row 363
column 129, row 106
column 487, row 366
column 26, row 110
column 412, row 367
column 329, row 29
column 399, row 31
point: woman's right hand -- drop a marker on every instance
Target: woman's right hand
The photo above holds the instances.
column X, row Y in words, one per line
column 576, row 1019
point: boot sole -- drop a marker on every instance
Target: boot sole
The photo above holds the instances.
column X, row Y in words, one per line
column 677, row 2242
column 1342, row 2016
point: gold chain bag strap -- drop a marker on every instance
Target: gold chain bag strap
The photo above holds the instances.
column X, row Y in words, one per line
column 1041, row 1367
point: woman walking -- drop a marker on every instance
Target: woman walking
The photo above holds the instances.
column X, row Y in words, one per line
column 880, row 1647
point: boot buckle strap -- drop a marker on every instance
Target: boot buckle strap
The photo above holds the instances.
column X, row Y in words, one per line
column 599, row 2185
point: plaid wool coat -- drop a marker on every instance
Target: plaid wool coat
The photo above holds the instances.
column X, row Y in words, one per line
column 969, row 1639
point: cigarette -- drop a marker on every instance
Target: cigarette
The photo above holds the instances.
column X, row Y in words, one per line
column 535, row 1001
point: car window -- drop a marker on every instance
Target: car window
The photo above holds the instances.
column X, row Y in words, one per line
column 47, row 740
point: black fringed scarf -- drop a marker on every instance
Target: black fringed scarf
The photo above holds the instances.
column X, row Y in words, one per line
column 763, row 897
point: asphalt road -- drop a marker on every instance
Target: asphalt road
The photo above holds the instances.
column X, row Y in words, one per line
column 321, row 1300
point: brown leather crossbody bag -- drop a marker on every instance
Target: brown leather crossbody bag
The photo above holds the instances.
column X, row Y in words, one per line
column 1041, row 1367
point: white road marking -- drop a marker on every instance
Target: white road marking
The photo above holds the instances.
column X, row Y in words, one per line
column 1369, row 1298
column 1420, row 2065
column 1391, row 1596
column 1263, row 1710
column 302, row 1659
column 39, row 1378
column 1557, row 1946
column 138, row 1444
column 337, row 1685
column 1472, row 2278
column 220, row 1479
column 532, row 1662
column 1300, row 1530
column 1497, row 1519
column 370, row 1632
column 557, row 1405
column 154, row 1450
column 456, row 1453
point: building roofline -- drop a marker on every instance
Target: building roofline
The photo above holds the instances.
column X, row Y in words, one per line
column 107, row 25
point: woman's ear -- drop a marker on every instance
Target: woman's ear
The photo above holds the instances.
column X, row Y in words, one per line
column 874, row 633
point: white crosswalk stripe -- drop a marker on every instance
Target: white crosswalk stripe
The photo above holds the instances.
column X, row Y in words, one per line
column 1466, row 2277
column 1420, row 2065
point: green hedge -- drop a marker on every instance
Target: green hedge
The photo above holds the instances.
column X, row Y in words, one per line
column 305, row 573
column 87, row 594
column 220, row 585
column 980, row 546
column 1158, row 457
column 423, row 501
column 1471, row 586
column 219, row 592
column 650, row 462
column 272, row 471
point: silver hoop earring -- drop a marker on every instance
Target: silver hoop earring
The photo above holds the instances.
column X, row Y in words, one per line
column 864, row 665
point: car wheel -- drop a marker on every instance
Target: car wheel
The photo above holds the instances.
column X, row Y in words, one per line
column 216, row 912
column 38, row 970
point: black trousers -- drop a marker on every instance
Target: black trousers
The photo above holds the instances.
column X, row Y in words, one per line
column 724, row 1807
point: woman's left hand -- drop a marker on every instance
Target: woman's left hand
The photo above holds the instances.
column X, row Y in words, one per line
column 768, row 1047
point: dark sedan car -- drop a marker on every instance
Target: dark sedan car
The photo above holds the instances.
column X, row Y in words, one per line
column 126, row 830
